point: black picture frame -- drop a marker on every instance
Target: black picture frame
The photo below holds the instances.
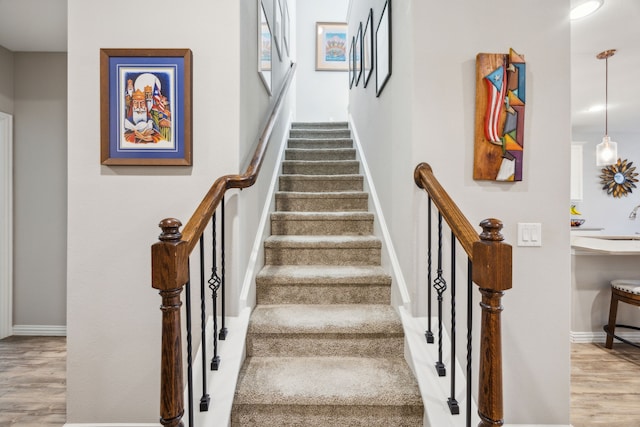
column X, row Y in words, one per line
column 383, row 48
column 357, row 55
column 352, row 73
column 367, row 48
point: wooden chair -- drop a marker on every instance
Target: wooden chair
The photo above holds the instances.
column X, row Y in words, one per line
column 626, row 291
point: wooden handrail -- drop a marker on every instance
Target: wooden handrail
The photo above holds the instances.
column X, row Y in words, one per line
column 461, row 227
column 170, row 271
column 492, row 272
column 202, row 215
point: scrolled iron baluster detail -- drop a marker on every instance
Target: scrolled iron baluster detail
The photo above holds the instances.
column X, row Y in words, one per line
column 187, row 296
column 429, row 333
column 454, row 408
column 223, row 330
column 469, row 337
column 214, row 284
column 440, row 285
column 205, row 399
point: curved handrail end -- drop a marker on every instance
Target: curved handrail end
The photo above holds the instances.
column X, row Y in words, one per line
column 416, row 173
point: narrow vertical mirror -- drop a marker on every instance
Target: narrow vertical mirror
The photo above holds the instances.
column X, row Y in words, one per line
column 264, row 48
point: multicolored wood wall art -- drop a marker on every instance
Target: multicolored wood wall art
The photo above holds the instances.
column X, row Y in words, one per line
column 499, row 126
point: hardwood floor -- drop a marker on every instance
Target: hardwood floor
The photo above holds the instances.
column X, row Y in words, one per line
column 33, row 381
column 605, row 384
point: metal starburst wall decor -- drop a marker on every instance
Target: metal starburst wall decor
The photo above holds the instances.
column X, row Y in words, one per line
column 618, row 179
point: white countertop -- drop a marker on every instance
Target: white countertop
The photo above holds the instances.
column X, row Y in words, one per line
column 606, row 245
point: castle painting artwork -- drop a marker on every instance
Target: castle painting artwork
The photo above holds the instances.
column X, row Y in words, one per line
column 499, row 118
column 331, row 46
column 146, row 120
column 145, row 106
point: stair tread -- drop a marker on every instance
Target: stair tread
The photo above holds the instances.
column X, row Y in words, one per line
column 317, row 216
column 329, row 274
column 323, row 195
column 321, row 177
column 322, row 241
column 327, row 381
column 363, row 319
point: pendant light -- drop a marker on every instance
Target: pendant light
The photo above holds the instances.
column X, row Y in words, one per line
column 607, row 150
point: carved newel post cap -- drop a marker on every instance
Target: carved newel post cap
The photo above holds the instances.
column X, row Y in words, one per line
column 170, row 230
column 491, row 230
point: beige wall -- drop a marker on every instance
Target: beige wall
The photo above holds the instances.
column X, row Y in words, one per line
column 113, row 317
column 6, row 80
column 40, row 188
column 426, row 113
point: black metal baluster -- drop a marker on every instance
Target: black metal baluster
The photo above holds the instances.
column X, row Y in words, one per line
column 223, row 329
column 469, row 337
column 205, row 399
column 214, row 285
column 429, row 333
column 452, row 402
column 189, row 346
column 440, row 285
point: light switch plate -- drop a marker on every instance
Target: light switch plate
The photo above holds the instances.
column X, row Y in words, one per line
column 529, row 234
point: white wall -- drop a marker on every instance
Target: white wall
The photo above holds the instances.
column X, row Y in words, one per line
column 321, row 95
column 113, row 318
column 597, row 207
column 426, row 113
column 40, row 188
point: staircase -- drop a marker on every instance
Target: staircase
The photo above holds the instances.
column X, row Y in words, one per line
column 324, row 345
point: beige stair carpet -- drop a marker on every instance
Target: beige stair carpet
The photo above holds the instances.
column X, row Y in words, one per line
column 324, row 345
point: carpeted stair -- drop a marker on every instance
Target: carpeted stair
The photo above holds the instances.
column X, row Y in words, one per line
column 324, row 345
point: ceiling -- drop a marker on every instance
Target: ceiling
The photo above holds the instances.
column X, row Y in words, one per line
column 40, row 26
column 33, row 25
column 613, row 26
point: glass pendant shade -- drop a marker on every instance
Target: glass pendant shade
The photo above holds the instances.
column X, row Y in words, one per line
column 606, row 152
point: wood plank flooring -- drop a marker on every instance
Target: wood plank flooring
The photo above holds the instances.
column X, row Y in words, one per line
column 33, row 381
column 605, row 384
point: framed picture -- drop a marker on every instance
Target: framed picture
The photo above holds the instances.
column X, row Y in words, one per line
column 351, row 61
column 277, row 27
column 331, row 46
column 264, row 48
column 286, row 27
column 357, row 55
column 367, row 48
column 145, row 107
column 383, row 48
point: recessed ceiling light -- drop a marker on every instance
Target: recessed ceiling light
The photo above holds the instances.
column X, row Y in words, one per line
column 585, row 8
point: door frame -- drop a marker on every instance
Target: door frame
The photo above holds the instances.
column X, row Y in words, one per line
column 6, row 225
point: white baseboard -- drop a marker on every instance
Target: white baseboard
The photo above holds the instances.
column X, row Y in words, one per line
column 40, row 330
column 600, row 337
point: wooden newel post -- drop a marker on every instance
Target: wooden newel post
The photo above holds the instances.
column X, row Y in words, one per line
column 169, row 273
column 492, row 273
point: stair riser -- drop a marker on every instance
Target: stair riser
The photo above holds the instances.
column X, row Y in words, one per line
column 320, row 143
column 319, row 133
column 326, row 415
column 320, row 125
column 294, row 183
column 303, row 345
column 323, row 294
column 322, row 256
column 292, row 204
column 327, row 154
column 322, row 227
column 320, row 168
